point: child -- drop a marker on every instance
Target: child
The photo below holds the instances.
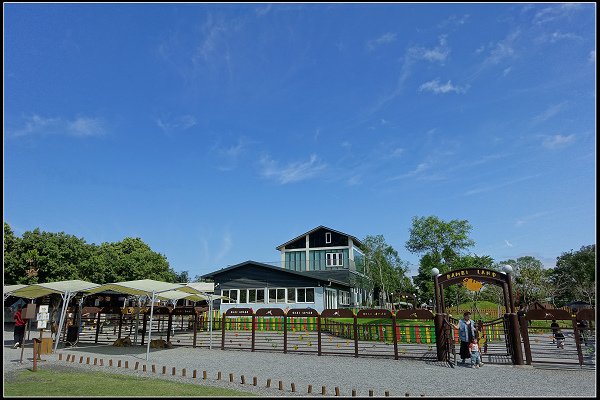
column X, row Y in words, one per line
column 475, row 355
column 560, row 339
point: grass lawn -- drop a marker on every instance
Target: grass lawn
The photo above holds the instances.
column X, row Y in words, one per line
column 61, row 383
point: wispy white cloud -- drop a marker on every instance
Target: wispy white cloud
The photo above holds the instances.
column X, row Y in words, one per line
column 508, row 244
column 499, row 186
column 229, row 155
column 263, row 10
column 554, row 12
column 78, row 127
column 388, row 37
column 226, row 245
column 439, row 53
column 592, row 57
column 292, row 172
column 549, row 112
column 502, row 49
column 506, row 71
column 523, row 220
column 557, row 36
column 411, row 57
column 181, row 122
column 557, row 141
column 454, row 20
column 422, row 167
column 436, row 87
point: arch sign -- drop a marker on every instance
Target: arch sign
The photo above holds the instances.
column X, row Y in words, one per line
column 472, row 279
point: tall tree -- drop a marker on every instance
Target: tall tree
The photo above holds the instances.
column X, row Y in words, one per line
column 48, row 257
column 384, row 267
column 441, row 244
column 530, row 279
column 577, row 271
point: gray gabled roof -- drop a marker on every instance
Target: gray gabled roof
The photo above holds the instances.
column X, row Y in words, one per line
column 318, row 276
column 354, row 239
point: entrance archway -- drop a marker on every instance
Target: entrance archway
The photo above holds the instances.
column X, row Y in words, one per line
column 506, row 328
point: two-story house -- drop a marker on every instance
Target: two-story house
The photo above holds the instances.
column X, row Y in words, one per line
column 322, row 268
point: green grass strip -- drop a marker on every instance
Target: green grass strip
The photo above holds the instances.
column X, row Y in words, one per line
column 55, row 383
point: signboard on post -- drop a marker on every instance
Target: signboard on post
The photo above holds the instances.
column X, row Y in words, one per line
column 42, row 317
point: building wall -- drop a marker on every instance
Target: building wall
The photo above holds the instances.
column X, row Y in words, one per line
column 318, row 304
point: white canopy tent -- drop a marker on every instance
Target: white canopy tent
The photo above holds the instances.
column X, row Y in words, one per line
column 8, row 290
column 143, row 287
column 66, row 289
column 200, row 287
column 194, row 291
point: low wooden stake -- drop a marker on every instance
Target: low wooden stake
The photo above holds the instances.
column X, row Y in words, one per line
column 204, row 375
column 387, row 394
column 269, row 382
column 137, row 364
column 370, row 392
column 153, row 368
column 309, row 389
column 293, row 387
column 80, row 359
column 254, row 381
column 323, row 390
column 102, row 362
column 194, row 374
column 219, row 375
column 164, row 370
column 126, row 364
column 183, row 372
column 230, row 377
column 95, row 360
column 243, row 379
column 87, row 360
column 280, row 385
column 353, row 392
column 60, row 357
column 110, row 362
column 173, row 371
column 406, row 395
column 144, row 368
column 119, row 364
column 337, row 391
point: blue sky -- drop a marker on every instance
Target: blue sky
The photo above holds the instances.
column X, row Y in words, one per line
column 216, row 132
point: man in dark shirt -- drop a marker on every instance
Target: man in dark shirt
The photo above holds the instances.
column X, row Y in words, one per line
column 19, row 332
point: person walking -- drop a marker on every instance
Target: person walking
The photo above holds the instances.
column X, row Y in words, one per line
column 555, row 328
column 466, row 333
column 19, row 332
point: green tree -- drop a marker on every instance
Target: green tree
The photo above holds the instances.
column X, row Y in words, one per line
column 441, row 244
column 131, row 259
column 576, row 270
column 48, row 257
column 384, row 268
column 530, row 279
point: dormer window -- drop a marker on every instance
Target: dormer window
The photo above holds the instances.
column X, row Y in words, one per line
column 327, row 237
column 335, row 259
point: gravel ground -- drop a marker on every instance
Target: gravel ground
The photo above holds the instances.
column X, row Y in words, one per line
column 431, row 379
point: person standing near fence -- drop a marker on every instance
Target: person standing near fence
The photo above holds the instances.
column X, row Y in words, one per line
column 466, row 333
column 19, row 332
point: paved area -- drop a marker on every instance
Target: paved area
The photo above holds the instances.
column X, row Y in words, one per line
column 398, row 377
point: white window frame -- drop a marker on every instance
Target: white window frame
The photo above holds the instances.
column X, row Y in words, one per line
column 276, row 297
column 344, row 298
column 305, row 302
column 327, row 236
column 256, row 290
column 237, row 300
column 334, row 259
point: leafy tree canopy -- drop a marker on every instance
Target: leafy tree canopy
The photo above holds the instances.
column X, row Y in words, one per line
column 48, row 257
